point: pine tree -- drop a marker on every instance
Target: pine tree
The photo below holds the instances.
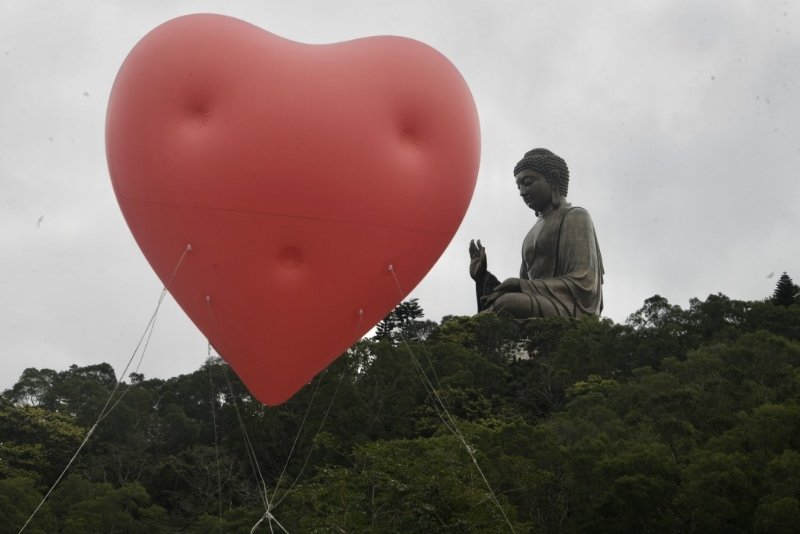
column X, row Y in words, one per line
column 408, row 311
column 786, row 292
column 402, row 322
column 385, row 328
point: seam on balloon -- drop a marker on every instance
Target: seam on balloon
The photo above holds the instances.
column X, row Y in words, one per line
column 271, row 214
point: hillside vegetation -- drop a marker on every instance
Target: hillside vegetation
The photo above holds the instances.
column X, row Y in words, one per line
column 679, row 420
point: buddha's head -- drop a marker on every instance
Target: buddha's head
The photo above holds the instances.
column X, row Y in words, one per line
column 542, row 179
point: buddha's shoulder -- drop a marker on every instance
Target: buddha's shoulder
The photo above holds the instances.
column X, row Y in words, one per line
column 574, row 211
column 576, row 214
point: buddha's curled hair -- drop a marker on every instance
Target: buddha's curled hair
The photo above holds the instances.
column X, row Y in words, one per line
column 549, row 165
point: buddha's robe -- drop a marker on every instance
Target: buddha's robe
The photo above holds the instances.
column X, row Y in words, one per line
column 562, row 270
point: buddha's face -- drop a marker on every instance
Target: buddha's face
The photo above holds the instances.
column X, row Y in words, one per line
column 534, row 189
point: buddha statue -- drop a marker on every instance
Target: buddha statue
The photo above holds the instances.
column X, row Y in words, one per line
column 562, row 270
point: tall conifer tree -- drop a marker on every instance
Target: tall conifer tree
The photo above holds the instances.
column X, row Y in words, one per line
column 786, row 292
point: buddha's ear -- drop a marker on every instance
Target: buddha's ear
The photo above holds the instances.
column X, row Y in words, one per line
column 555, row 189
column 555, row 197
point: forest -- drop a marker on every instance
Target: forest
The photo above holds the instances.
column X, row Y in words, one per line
column 678, row 420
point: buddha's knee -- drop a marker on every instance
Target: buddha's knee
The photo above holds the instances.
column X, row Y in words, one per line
column 519, row 305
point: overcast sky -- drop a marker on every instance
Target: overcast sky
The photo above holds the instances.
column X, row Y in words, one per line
column 680, row 122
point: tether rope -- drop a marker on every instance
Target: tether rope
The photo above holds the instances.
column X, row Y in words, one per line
column 148, row 331
column 324, row 418
column 214, row 421
column 251, row 454
column 453, row 427
column 262, row 488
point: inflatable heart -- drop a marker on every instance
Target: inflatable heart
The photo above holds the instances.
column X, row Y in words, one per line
column 298, row 174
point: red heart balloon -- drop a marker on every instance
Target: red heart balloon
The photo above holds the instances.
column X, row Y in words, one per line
column 298, row 174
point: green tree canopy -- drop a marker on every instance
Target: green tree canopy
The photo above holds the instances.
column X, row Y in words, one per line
column 679, row 420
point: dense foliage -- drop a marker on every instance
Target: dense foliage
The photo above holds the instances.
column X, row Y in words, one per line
column 676, row 421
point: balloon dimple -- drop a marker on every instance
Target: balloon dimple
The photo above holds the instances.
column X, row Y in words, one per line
column 290, row 258
column 198, row 114
column 409, row 137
